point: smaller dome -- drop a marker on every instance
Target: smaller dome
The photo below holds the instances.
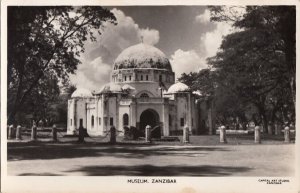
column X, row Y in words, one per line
column 178, row 87
column 128, row 87
column 110, row 88
column 81, row 93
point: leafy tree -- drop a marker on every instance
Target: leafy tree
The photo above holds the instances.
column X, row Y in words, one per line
column 278, row 22
column 228, row 106
column 257, row 62
column 46, row 42
column 203, row 81
column 69, row 89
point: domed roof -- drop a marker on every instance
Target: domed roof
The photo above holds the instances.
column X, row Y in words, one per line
column 110, row 88
column 178, row 87
column 142, row 56
column 128, row 87
column 82, row 93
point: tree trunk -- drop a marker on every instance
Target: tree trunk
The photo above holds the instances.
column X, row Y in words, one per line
column 263, row 116
column 21, row 99
column 265, row 123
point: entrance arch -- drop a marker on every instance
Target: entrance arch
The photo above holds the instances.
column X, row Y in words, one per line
column 150, row 117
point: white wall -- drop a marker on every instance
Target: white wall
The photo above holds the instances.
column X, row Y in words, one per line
column 182, row 111
column 70, row 126
column 122, row 110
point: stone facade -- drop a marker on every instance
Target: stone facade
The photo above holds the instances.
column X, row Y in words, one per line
column 142, row 92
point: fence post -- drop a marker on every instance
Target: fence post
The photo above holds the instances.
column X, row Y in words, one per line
column 223, row 138
column 276, row 128
column 257, row 134
column 33, row 132
column 112, row 135
column 186, row 138
column 54, row 133
column 19, row 132
column 287, row 138
column 270, row 128
column 10, row 131
column 81, row 134
column 148, row 133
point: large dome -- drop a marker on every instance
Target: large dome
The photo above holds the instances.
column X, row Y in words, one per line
column 142, row 56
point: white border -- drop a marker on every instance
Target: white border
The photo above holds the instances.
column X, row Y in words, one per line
column 119, row 184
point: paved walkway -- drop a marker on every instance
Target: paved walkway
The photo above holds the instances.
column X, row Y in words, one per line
column 155, row 160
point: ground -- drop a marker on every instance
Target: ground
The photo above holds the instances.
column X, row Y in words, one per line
column 204, row 156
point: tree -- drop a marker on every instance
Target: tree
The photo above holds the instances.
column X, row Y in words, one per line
column 227, row 105
column 202, row 81
column 278, row 21
column 46, row 42
column 69, row 89
column 255, row 62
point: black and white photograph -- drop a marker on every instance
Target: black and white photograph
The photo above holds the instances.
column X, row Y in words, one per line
column 139, row 97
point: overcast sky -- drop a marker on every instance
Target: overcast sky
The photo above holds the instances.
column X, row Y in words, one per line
column 183, row 33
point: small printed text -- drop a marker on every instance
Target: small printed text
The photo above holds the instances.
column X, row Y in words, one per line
column 153, row 181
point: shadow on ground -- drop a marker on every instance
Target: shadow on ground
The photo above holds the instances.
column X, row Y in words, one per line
column 150, row 170
column 32, row 151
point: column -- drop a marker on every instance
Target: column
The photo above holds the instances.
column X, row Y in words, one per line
column 186, row 138
column 165, row 113
column 148, row 133
column 19, row 132
column 117, row 112
column 257, row 134
column 189, row 112
column 102, row 113
column 33, row 132
column 74, row 115
column 223, row 138
column 54, row 133
column 287, row 135
column 133, row 113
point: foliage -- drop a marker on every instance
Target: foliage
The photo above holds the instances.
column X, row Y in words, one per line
column 46, row 42
column 258, row 62
column 252, row 76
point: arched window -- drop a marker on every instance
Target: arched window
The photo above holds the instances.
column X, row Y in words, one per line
column 142, row 77
column 144, row 95
column 125, row 78
column 125, row 119
column 160, row 78
column 146, row 77
column 181, row 122
column 129, row 78
column 92, row 120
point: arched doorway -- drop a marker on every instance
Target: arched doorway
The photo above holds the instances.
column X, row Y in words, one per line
column 150, row 117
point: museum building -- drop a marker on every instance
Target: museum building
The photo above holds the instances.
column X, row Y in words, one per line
column 142, row 92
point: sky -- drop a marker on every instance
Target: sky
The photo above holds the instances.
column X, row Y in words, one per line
column 184, row 33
